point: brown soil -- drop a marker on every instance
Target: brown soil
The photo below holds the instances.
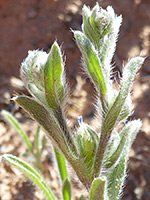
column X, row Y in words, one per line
column 35, row 24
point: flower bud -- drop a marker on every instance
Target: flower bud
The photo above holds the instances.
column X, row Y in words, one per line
column 32, row 68
column 97, row 23
column 87, row 141
column 104, row 19
column 43, row 75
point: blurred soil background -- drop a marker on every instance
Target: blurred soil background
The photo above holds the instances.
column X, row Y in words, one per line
column 35, row 24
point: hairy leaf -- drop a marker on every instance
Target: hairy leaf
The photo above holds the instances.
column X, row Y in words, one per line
column 129, row 73
column 53, row 72
column 92, row 61
column 98, row 189
column 116, row 174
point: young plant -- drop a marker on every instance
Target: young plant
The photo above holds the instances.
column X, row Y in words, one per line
column 98, row 158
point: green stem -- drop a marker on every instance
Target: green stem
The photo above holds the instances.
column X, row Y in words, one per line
column 62, row 121
column 100, row 154
column 61, row 164
column 37, row 146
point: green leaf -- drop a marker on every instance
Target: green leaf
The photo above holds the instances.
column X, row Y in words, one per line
column 109, row 44
column 92, row 61
column 61, row 164
column 117, row 174
column 31, row 173
column 115, row 156
column 53, row 77
column 112, row 145
column 66, row 189
column 126, row 110
column 98, row 189
column 116, row 178
column 15, row 124
column 129, row 73
column 46, row 120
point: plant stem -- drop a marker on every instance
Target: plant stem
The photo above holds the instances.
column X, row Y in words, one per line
column 100, row 155
column 61, row 119
column 61, row 164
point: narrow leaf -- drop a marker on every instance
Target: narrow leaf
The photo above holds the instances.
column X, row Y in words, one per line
column 45, row 119
column 98, row 190
column 126, row 110
column 66, row 189
column 109, row 44
column 117, row 174
column 53, row 72
column 116, row 178
column 31, row 173
column 15, row 124
column 115, row 156
column 129, row 73
column 91, row 60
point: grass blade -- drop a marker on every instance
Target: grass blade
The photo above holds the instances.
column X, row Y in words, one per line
column 31, row 173
column 15, row 124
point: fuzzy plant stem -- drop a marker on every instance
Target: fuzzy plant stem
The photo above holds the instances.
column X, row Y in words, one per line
column 100, row 154
column 62, row 121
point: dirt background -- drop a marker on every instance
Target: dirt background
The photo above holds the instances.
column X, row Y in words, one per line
column 35, row 24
